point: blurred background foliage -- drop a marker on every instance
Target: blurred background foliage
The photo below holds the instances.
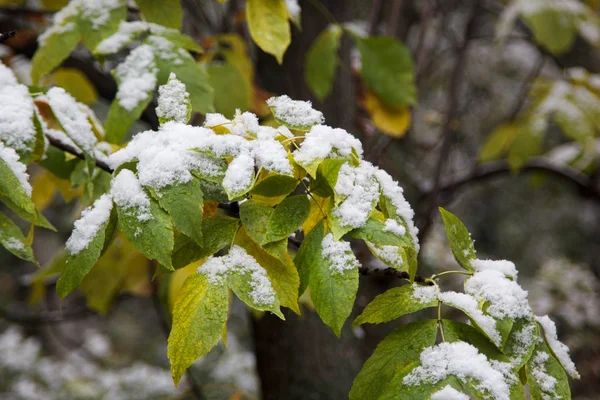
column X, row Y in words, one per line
column 490, row 108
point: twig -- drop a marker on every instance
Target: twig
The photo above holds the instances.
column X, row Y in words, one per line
column 374, row 16
column 485, row 172
column 392, row 272
column 422, row 48
column 527, row 83
column 451, row 114
column 395, row 13
column 77, row 153
column 46, row 317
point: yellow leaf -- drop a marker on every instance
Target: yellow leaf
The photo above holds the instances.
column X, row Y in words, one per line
column 391, row 120
column 54, row 4
column 318, row 210
column 269, row 26
column 209, row 208
column 176, row 281
column 76, row 83
column 44, row 189
column 137, row 281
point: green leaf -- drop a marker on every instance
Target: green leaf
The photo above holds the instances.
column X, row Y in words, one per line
column 552, row 29
column 217, row 233
column 459, row 239
column 269, row 26
column 518, row 348
column 540, row 367
column 527, row 144
column 421, row 391
column 387, row 68
column 322, row 61
column 399, row 351
column 240, row 283
column 184, row 202
column 332, row 291
column 153, row 237
column 121, row 116
column 327, row 176
column 11, row 187
column 199, row 316
column 266, row 225
column 36, row 218
column 94, row 27
column 78, row 265
column 393, row 304
column 499, row 142
column 163, row 12
column 455, row 331
column 288, row 216
column 275, row 186
column 232, row 90
column 55, row 49
column 279, row 266
column 13, row 240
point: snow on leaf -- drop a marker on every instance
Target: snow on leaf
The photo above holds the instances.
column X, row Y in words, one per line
column 558, row 348
column 295, row 114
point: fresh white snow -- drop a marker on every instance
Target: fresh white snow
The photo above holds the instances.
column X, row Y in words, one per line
column 86, row 228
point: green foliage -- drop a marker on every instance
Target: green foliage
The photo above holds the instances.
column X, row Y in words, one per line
column 387, row 68
column 153, row 236
column 322, row 61
column 541, row 367
column 275, row 186
column 13, row 240
column 167, row 13
column 395, row 355
column 199, row 317
column 459, row 239
column 391, row 305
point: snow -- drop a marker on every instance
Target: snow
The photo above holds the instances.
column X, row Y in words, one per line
column 86, row 228
column 11, row 158
column 12, row 243
column 361, row 191
column 240, row 174
column 244, row 123
column 270, row 155
column 449, row 393
column 546, row 382
column 559, row 349
column 173, row 101
column 471, row 307
column 388, row 254
column 166, row 50
column 394, row 194
column 59, row 22
column 293, row 8
column 295, row 113
column 237, row 261
column 137, row 77
column 324, row 141
column 392, row 226
column 16, row 119
column 339, row 255
column 98, row 12
column 506, row 297
column 126, row 33
column 425, row 294
column 73, row 120
column 166, row 157
column 215, row 119
column 506, row 267
column 462, row 360
column 127, row 193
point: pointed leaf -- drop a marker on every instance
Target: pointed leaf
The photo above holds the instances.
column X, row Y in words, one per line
column 546, row 377
column 184, row 201
column 199, row 315
column 13, row 240
column 395, row 303
column 162, row 12
column 287, row 218
column 269, row 26
column 459, row 239
column 322, row 61
column 397, row 352
column 274, row 186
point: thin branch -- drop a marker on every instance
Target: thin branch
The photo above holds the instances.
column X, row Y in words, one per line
column 527, row 83
column 451, row 114
column 77, row 153
column 485, row 172
column 422, row 48
column 46, row 317
column 391, row 272
column 374, row 16
column 395, row 13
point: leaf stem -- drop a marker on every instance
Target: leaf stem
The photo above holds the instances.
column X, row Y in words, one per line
column 435, row 276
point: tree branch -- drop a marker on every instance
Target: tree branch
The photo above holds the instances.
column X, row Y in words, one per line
column 77, row 153
column 485, row 172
